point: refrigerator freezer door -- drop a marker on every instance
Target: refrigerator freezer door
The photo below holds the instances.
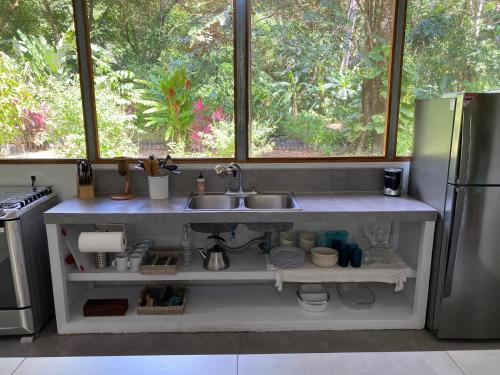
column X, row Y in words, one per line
column 429, row 173
column 470, row 305
column 475, row 151
column 431, row 150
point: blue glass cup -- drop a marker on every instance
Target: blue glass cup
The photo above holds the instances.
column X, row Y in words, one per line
column 355, row 254
column 340, row 235
column 325, row 239
column 343, row 252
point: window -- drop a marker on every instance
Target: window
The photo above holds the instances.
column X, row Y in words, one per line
column 450, row 46
column 163, row 77
column 40, row 99
column 320, row 72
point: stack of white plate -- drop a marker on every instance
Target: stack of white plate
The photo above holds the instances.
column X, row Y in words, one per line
column 287, row 257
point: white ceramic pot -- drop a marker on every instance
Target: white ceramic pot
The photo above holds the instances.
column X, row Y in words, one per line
column 158, row 187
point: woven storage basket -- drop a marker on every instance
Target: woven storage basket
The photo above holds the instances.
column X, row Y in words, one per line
column 162, row 310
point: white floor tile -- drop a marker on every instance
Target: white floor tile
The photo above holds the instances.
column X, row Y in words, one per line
column 478, row 362
column 414, row 363
column 175, row 365
column 8, row 365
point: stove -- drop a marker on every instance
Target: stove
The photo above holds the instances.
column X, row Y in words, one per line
column 25, row 285
column 14, row 201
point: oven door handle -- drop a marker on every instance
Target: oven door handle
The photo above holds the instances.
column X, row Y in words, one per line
column 14, row 237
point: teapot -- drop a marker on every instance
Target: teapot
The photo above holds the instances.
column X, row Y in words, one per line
column 215, row 258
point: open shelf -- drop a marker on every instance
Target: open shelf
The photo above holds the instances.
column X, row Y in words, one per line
column 248, row 265
column 245, row 265
column 244, row 308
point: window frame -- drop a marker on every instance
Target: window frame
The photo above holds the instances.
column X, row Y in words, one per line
column 242, row 92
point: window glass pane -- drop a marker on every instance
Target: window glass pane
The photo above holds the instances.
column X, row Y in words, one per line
column 320, row 77
column 40, row 100
column 163, row 73
column 450, row 46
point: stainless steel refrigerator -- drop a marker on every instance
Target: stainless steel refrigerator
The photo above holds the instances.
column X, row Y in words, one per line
column 455, row 168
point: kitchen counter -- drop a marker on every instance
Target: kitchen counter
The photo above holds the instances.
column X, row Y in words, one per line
column 247, row 289
column 314, row 206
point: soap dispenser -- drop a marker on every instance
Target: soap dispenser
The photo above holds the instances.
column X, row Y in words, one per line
column 201, row 185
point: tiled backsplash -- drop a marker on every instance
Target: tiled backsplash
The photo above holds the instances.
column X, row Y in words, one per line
column 298, row 180
column 266, row 176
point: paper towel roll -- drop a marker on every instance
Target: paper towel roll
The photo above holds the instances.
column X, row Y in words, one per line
column 106, row 242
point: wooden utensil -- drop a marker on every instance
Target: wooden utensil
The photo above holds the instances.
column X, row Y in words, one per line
column 123, row 171
column 155, row 167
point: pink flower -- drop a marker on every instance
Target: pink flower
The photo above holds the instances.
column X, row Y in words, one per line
column 207, row 129
column 219, row 114
column 195, row 137
column 198, row 106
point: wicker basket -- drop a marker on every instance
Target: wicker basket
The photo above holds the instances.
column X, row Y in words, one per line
column 160, row 269
column 162, row 310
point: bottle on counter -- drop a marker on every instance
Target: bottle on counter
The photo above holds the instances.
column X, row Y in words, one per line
column 187, row 245
column 201, row 184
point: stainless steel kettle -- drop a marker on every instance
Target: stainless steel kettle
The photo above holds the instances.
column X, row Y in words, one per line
column 215, row 259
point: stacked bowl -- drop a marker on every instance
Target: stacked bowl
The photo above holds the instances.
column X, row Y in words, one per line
column 324, row 256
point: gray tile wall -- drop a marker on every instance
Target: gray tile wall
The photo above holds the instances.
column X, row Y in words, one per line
column 298, row 180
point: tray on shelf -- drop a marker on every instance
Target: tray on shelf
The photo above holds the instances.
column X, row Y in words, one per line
column 105, row 307
column 180, row 292
column 160, row 262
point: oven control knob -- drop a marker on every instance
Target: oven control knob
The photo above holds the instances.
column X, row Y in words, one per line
column 2, row 212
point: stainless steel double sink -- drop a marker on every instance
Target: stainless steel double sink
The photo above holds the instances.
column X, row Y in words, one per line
column 226, row 202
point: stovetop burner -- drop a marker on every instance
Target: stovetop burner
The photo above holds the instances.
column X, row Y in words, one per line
column 19, row 197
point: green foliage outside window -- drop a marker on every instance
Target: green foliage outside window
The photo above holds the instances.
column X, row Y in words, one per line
column 450, row 46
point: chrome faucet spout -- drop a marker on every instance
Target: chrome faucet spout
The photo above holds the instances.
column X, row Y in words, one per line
column 238, row 173
column 233, row 170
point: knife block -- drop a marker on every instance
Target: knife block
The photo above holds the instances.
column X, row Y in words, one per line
column 85, row 192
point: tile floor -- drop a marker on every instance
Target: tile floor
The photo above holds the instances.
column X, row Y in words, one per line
column 50, row 344
column 368, row 363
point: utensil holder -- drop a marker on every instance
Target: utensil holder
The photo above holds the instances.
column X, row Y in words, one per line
column 85, row 192
column 158, row 187
column 101, row 260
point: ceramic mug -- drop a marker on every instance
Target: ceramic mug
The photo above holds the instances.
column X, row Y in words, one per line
column 306, row 241
column 120, row 263
column 135, row 261
column 288, row 239
column 142, row 249
column 148, row 243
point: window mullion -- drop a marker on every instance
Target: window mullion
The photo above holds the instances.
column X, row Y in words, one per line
column 396, row 69
column 86, row 77
column 241, row 77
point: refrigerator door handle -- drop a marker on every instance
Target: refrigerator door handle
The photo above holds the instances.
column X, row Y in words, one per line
column 13, row 234
column 455, row 239
column 465, row 150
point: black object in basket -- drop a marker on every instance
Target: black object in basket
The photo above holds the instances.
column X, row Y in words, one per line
column 163, row 300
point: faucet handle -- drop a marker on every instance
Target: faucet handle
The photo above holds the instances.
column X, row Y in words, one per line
column 252, row 188
column 227, row 188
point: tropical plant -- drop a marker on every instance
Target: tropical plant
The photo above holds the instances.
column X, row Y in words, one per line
column 44, row 58
column 169, row 104
column 15, row 96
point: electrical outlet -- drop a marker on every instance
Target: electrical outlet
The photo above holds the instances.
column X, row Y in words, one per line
column 40, row 178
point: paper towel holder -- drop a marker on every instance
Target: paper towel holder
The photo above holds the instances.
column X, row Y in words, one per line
column 96, row 227
column 97, row 230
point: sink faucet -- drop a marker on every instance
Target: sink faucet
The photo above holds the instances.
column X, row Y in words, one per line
column 233, row 170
